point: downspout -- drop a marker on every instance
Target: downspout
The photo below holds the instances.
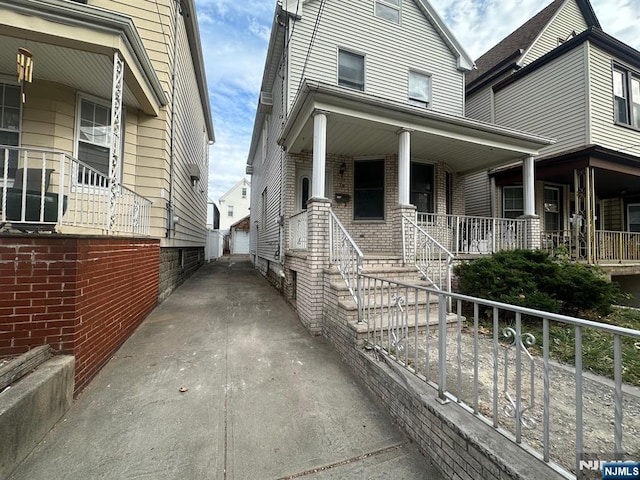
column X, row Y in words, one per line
column 170, row 211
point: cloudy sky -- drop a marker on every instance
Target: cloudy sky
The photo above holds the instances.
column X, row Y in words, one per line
column 235, row 34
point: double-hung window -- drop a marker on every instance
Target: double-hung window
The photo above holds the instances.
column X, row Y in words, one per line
column 230, row 211
column 9, row 127
column 368, row 190
column 388, row 9
column 626, row 93
column 419, row 89
column 94, row 139
column 350, row 70
column 512, row 202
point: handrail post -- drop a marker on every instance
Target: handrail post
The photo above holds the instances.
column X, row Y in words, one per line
column 442, row 348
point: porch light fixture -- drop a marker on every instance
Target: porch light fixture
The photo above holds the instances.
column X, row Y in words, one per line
column 24, row 65
column 343, row 169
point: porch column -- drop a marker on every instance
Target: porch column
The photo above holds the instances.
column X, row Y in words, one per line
column 533, row 227
column 528, row 182
column 404, row 166
column 116, row 137
column 319, row 153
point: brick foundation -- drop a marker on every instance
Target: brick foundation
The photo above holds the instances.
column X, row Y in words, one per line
column 82, row 295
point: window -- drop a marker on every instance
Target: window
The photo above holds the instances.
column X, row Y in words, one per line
column 9, row 126
column 305, row 189
column 552, row 209
column 421, row 187
column 633, row 217
column 230, row 211
column 626, row 93
column 244, row 192
column 368, row 190
column 388, row 9
column 350, row 70
column 419, row 89
column 265, row 137
column 264, row 209
column 513, row 202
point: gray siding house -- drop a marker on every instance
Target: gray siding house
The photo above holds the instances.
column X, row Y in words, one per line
column 560, row 75
column 360, row 145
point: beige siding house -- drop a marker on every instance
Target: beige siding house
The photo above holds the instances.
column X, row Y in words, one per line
column 358, row 150
column 583, row 89
column 105, row 129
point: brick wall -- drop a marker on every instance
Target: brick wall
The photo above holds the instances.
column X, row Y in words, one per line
column 81, row 295
column 176, row 265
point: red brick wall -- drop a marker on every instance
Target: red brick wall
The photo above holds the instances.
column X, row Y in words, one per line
column 81, row 295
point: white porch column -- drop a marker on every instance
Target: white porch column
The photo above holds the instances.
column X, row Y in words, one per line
column 319, row 153
column 528, row 182
column 116, row 136
column 404, row 166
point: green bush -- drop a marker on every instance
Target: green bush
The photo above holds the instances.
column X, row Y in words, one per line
column 532, row 279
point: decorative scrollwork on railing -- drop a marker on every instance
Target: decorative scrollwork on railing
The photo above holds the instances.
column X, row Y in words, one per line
column 523, row 414
column 399, row 332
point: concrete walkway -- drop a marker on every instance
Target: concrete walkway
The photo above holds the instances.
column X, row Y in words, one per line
column 265, row 400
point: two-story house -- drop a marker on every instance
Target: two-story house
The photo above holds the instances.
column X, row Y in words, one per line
column 105, row 128
column 361, row 124
column 560, row 75
column 234, row 204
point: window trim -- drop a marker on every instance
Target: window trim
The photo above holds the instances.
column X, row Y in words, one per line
column 364, row 68
column 388, row 4
column 76, row 137
column 512, row 187
column 420, row 102
column 628, row 216
column 434, row 199
column 628, row 75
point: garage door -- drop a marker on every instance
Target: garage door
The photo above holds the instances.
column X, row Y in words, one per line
column 240, row 242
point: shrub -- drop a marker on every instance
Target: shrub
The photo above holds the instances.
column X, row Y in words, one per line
column 532, row 279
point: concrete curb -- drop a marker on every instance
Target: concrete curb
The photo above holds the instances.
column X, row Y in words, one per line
column 31, row 407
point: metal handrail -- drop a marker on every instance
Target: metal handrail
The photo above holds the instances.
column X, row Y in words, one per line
column 402, row 325
column 421, row 249
column 345, row 254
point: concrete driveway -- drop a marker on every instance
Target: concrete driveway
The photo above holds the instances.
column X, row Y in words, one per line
column 263, row 399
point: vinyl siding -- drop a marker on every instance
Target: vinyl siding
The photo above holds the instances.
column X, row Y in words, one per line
column 479, row 106
column 551, row 101
column 604, row 131
column 568, row 19
column 390, row 50
column 477, row 190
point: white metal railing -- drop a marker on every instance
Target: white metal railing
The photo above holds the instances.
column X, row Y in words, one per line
column 42, row 189
column 462, row 234
column 346, row 256
column 483, row 357
column 609, row 246
column 298, row 231
column 430, row 257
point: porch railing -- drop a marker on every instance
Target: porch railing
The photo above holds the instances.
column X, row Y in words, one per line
column 609, row 246
column 43, row 189
column 462, row 234
column 298, row 231
column 484, row 357
column 430, row 257
column 347, row 257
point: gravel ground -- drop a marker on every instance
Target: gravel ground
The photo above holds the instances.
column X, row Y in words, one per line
column 598, row 397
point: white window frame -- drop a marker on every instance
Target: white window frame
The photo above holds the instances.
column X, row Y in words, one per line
column 244, row 192
column 265, row 137
column 364, row 68
column 504, row 190
column 230, row 211
column 308, row 174
column 388, row 5
column 415, row 100
column 11, row 83
column 76, row 141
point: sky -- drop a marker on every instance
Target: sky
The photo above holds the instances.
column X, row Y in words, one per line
column 235, row 35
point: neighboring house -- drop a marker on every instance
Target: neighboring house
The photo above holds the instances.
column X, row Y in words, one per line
column 239, row 242
column 104, row 140
column 234, row 205
column 360, row 122
column 560, row 75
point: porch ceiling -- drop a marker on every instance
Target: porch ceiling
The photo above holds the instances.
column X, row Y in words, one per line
column 359, row 125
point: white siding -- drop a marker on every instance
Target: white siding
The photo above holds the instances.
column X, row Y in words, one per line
column 551, row 101
column 240, row 205
column 604, row 131
column 390, row 51
column 477, row 191
column 568, row 19
column 479, row 106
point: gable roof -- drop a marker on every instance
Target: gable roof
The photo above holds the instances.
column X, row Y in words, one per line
column 509, row 51
column 242, row 182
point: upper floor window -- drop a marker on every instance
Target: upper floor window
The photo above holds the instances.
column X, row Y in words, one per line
column 626, row 92
column 244, row 192
column 230, row 211
column 351, row 70
column 388, row 9
column 419, row 89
